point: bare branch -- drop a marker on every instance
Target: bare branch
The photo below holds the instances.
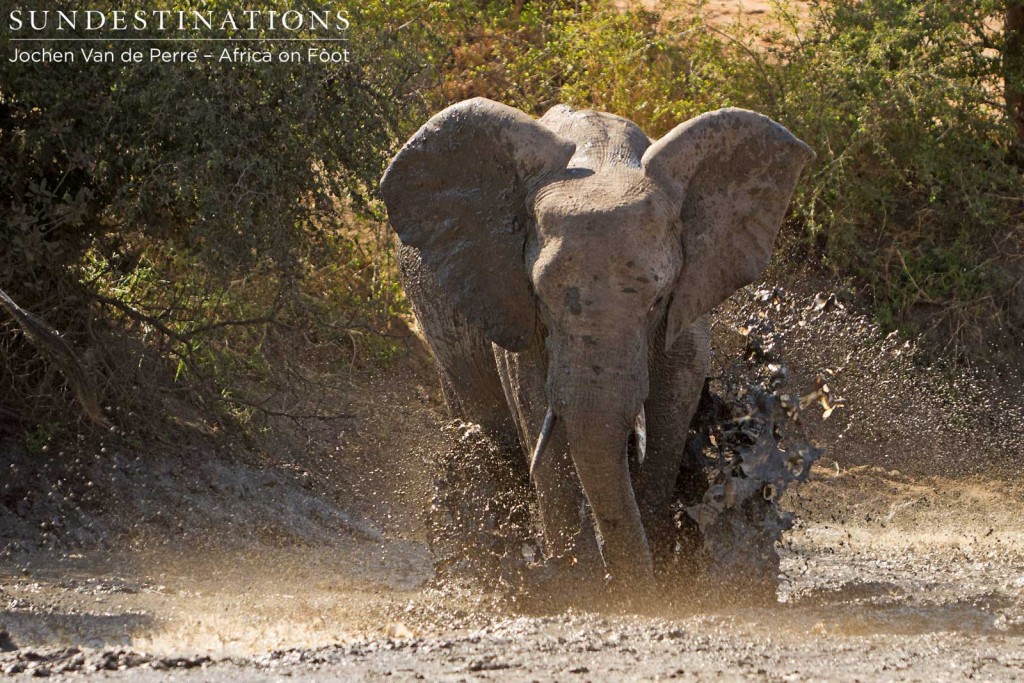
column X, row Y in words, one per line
column 141, row 317
column 61, row 354
column 271, row 412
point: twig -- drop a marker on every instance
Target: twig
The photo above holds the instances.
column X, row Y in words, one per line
column 263, row 320
column 141, row 317
column 261, row 406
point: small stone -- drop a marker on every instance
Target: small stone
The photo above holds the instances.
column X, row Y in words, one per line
column 6, row 644
column 398, row 630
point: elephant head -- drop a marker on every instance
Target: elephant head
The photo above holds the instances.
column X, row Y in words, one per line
column 578, row 230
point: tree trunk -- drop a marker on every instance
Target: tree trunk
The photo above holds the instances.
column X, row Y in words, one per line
column 1013, row 65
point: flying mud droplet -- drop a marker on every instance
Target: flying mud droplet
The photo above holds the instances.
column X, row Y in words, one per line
column 480, row 518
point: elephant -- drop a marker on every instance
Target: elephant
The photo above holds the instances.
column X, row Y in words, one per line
column 562, row 270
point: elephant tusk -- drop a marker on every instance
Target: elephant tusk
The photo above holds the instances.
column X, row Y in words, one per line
column 542, row 440
column 640, row 428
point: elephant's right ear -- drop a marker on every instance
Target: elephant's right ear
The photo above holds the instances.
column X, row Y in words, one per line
column 457, row 192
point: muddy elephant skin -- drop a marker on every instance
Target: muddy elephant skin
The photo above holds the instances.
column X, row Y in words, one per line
column 561, row 270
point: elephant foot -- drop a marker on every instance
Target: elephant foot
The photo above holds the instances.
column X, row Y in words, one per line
column 558, row 583
column 675, row 542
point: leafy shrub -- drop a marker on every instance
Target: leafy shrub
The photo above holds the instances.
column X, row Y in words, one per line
column 212, row 212
column 631, row 62
column 914, row 193
column 197, row 207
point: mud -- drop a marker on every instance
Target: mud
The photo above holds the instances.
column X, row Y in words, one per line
column 747, row 439
column 311, row 558
column 883, row 579
column 481, row 518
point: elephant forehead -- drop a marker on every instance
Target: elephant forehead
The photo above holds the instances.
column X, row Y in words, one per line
column 596, row 261
column 618, row 202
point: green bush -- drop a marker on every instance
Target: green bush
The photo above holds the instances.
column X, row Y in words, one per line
column 914, row 192
column 189, row 222
column 633, row 62
column 196, row 207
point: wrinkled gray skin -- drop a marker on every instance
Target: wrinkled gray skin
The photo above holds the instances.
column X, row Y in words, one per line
column 567, row 263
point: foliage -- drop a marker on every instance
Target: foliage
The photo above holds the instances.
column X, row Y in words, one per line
column 199, row 226
column 631, row 62
column 915, row 192
column 198, row 207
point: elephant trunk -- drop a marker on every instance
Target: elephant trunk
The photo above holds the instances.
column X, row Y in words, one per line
column 597, row 443
column 598, row 396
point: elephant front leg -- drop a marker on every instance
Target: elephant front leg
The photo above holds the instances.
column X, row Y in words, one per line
column 656, row 484
column 567, row 532
column 676, row 379
column 469, row 379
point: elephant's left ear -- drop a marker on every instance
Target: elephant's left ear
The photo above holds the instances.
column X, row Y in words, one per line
column 732, row 172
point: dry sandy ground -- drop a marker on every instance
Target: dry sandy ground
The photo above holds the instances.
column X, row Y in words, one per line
column 727, row 12
column 731, row 8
